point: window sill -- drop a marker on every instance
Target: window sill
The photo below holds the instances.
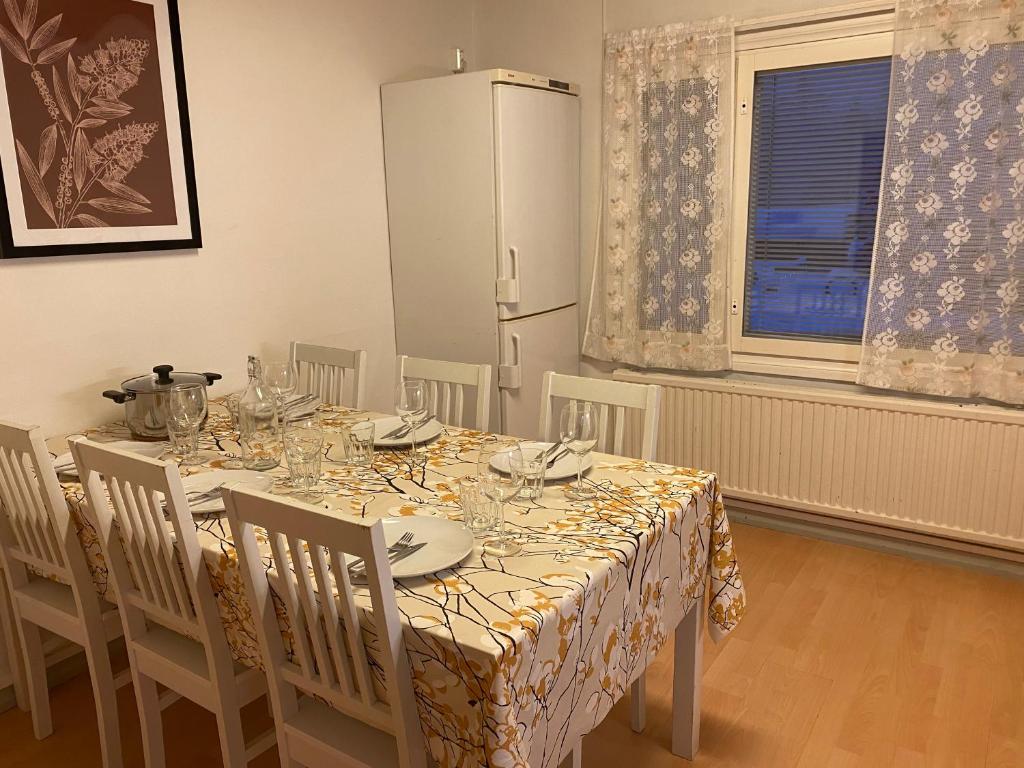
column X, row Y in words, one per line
column 827, row 370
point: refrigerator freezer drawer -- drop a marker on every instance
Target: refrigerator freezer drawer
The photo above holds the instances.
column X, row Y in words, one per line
column 528, row 347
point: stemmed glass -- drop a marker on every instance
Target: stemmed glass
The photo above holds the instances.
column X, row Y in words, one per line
column 282, row 379
column 411, row 406
column 578, row 430
column 186, row 409
column 500, row 487
column 303, row 445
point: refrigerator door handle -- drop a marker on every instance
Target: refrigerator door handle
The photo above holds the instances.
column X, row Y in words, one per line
column 511, row 376
column 508, row 287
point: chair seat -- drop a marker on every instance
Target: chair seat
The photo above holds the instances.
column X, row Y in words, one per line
column 317, row 725
column 54, row 594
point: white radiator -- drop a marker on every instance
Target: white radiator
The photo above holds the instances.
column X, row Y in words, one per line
column 938, row 468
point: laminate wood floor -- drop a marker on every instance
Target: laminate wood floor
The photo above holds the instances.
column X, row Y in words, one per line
column 846, row 657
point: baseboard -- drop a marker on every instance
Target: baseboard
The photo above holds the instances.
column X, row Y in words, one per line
column 877, row 537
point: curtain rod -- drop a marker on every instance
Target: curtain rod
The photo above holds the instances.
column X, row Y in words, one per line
column 850, row 10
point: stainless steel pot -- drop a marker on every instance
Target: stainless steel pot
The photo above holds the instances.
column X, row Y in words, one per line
column 145, row 399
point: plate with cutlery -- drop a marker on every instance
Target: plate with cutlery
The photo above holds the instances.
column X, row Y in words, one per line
column 418, row 545
column 561, row 462
column 202, row 490
column 391, row 432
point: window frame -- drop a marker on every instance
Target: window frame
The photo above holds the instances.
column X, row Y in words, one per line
column 811, row 359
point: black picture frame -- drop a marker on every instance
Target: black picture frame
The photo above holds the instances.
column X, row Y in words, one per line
column 9, row 250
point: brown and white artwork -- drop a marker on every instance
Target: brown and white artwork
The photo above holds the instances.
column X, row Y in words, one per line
column 94, row 139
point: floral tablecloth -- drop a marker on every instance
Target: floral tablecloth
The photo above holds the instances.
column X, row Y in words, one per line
column 513, row 659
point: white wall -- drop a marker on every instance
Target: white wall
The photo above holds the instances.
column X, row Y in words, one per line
column 289, row 163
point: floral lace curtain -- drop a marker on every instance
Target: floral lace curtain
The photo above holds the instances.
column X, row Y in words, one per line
column 659, row 292
column 944, row 313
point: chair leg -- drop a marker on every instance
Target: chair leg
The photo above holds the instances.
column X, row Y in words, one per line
column 35, row 671
column 14, row 654
column 105, row 694
column 150, row 720
column 232, row 741
column 638, row 704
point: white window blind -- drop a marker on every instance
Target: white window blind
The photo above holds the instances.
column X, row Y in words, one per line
column 818, row 137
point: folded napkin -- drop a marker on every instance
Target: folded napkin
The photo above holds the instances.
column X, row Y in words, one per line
column 301, row 405
column 65, row 464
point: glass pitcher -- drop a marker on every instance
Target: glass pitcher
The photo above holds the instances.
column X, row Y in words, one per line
column 258, row 425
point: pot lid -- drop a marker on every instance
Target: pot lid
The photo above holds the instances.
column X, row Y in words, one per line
column 163, row 378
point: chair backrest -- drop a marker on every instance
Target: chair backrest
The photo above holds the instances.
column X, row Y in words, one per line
column 35, row 524
column 336, row 375
column 612, row 399
column 445, row 382
column 309, row 572
column 157, row 578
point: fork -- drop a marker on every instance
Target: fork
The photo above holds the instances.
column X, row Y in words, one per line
column 394, row 549
column 404, row 430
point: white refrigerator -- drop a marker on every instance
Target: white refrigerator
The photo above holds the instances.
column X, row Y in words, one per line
column 483, row 210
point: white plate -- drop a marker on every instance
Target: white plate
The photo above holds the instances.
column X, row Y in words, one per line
column 204, row 481
column 448, row 543
column 65, row 464
column 564, row 468
column 424, row 434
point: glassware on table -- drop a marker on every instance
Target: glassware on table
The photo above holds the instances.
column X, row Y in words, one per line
column 232, row 460
column 282, row 379
column 259, row 430
column 501, row 487
column 358, row 442
column 303, row 445
column 531, row 463
column 186, row 409
column 578, row 430
column 478, row 511
column 411, row 405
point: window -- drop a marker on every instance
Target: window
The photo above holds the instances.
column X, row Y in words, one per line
column 810, row 139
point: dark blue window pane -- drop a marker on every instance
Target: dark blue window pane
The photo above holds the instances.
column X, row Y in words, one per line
column 816, row 161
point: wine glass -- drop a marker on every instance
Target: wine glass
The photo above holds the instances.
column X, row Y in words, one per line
column 303, row 446
column 411, row 405
column 500, row 487
column 186, row 409
column 282, row 379
column 578, row 430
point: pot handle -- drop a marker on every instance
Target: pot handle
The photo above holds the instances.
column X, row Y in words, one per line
column 118, row 396
column 212, row 377
column 163, row 373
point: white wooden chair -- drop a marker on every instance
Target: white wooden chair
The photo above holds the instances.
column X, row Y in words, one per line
column 445, row 382
column 613, row 398
column 37, row 535
column 326, row 709
column 172, row 628
column 336, row 375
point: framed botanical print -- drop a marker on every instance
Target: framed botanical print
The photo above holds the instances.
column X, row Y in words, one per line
column 95, row 146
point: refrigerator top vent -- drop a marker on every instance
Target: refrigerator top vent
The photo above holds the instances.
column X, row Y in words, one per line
column 533, row 81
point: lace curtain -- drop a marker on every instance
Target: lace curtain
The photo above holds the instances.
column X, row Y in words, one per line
column 659, row 292
column 944, row 313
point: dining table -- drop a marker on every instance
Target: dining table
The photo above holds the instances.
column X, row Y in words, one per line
column 513, row 659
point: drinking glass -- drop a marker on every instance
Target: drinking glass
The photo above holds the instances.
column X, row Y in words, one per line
column 531, row 463
column 231, row 459
column 358, row 441
column 578, row 430
column 282, row 379
column 411, row 405
column 303, row 445
column 477, row 509
column 186, row 409
column 500, row 487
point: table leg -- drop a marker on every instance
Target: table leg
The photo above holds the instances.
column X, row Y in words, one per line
column 638, row 704
column 575, row 758
column 689, row 649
